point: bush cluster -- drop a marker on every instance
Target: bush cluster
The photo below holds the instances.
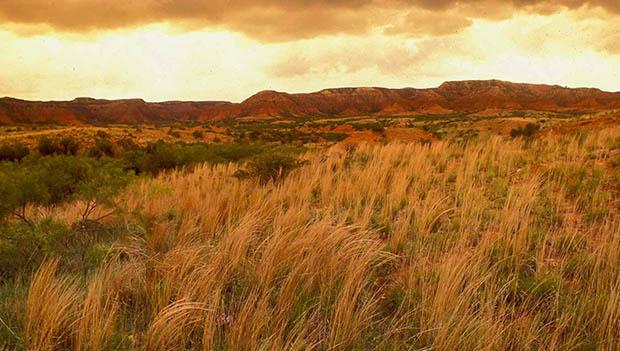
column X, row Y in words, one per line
column 60, row 175
column 272, row 167
column 49, row 146
column 160, row 156
column 283, row 136
column 50, row 181
column 528, row 131
column 197, row 134
column 103, row 147
column 334, row 136
column 24, row 247
column 14, row 152
column 376, row 127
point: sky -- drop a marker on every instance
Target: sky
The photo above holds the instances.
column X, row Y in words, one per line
column 230, row 49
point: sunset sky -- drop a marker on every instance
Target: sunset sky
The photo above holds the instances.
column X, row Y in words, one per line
column 230, row 49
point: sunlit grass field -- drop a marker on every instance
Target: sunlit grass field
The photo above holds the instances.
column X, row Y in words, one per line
column 490, row 244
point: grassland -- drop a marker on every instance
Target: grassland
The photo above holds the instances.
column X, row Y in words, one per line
column 482, row 242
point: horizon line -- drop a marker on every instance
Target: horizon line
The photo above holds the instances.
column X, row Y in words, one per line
column 307, row 92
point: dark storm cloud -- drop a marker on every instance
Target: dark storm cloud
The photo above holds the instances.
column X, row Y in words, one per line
column 280, row 20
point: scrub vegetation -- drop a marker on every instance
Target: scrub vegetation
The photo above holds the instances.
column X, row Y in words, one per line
column 484, row 243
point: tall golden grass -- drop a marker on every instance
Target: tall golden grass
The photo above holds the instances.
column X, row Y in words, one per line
column 493, row 245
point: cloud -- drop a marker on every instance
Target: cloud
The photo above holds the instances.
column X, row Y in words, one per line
column 161, row 62
column 150, row 63
column 267, row 19
column 564, row 48
column 281, row 20
column 417, row 23
column 392, row 57
column 535, row 5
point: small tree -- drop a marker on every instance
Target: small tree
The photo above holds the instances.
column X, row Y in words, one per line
column 100, row 188
column 20, row 188
column 53, row 181
column 62, row 176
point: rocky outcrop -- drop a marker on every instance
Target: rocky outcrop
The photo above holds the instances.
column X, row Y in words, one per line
column 450, row 97
column 89, row 111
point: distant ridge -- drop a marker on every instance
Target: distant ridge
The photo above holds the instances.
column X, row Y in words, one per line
column 472, row 96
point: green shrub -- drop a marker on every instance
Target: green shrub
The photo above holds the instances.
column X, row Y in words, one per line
column 62, row 176
column 20, row 187
column 373, row 126
column 81, row 247
column 163, row 156
column 198, row 134
column 48, row 182
column 102, row 147
column 48, row 146
column 21, row 249
column 269, row 167
column 528, row 132
column 334, row 137
column 103, row 183
column 127, row 144
column 237, row 152
column 13, row 152
column 69, row 146
column 135, row 160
